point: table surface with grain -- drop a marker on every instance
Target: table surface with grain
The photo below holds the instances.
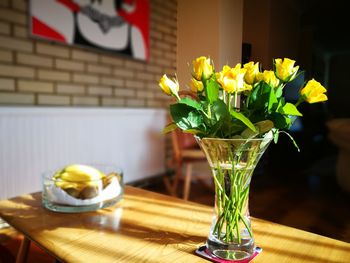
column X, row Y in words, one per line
column 151, row 227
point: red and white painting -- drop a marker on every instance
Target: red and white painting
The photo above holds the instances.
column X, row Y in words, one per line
column 119, row 26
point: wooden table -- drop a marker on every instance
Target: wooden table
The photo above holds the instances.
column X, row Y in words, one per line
column 150, row 227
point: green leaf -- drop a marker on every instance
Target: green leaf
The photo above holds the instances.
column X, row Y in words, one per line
column 169, row 128
column 280, row 106
column 273, row 102
column 275, row 136
column 235, row 127
column 212, row 90
column 195, row 119
column 290, row 109
column 253, row 97
column 279, row 91
column 281, row 121
column 243, row 119
column 179, row 113
column 213, row 129
column 219, row 110
column 249, row 134
column 219, row 115
column 264, row 126
column 192, row 131
column 190, row 102
column 260, row 96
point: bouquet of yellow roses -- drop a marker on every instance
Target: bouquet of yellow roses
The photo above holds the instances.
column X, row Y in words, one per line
column 245, row 108
column 238, row 102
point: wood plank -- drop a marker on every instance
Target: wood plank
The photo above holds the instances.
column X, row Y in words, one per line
column 147, row 226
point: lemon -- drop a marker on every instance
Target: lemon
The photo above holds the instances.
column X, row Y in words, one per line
column 80, row 173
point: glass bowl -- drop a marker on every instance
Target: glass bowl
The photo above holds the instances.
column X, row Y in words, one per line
column 71, row 194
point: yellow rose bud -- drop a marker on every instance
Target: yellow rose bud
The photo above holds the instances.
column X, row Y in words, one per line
column 269, row 77
column 170, row 87
column 196, row 86
column 285, row 69
column 314, row 92
column 202, row 68
column 232, row 79
column 252, row 71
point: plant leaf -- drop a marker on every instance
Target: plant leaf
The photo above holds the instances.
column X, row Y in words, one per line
column 290, row 109
column 243, row 119
column 259, row 98
column 279, row 91
column 212, row 90
column 169, row 128
column 264, row 126
column 273, row 102
column 179, row 113
column 195, row 119
column 190, row 102
column 219, row 110
column 192, row 131
column 279, row 106
column 281, row 121
column 275, row 135
column 254, row 94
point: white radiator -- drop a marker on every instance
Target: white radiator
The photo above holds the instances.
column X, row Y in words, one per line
column 35, row 139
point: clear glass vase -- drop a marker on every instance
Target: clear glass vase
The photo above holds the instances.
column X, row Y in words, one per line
column 232, row 162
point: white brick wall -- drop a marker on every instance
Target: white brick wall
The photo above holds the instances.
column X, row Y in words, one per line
column 6, row 56
column 53, row 100
column 52, row 50
column 7, row 84
column 66, row 64
column 16, row 98
column 44, row 74
column 15, row 44
column 34, row 60
column 35, row 86
column 16, row 71
column 70, row 88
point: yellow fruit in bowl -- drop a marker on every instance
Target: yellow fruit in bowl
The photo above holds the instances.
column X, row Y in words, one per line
column 80, row 173
column 80, row 181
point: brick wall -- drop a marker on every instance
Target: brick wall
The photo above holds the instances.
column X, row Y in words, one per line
column 36, row 72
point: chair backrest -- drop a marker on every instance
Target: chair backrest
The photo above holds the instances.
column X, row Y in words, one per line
column 182, row 141
column 186, row 140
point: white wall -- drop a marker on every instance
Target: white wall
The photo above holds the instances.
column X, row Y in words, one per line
column 33, row 140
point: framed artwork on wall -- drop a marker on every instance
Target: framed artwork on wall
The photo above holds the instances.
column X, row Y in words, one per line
column 117, row 26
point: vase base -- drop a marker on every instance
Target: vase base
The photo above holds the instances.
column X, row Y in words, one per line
column 231, row 251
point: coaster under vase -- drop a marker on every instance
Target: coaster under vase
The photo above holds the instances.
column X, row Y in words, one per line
column 205, row 253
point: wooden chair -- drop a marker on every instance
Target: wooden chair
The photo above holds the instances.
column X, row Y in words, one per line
column 186, row 152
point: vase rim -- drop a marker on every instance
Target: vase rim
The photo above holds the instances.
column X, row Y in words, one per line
column 230, row 139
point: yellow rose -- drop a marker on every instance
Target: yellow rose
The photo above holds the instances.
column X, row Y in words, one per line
column 252, row 71
column 269, row 77
column 169, row 86
column 202, row 68
column 314, row 92
column 196, row 86
column 285, row 69
column 232, row 79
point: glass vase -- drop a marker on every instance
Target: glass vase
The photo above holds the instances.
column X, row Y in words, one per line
column 232, row 162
